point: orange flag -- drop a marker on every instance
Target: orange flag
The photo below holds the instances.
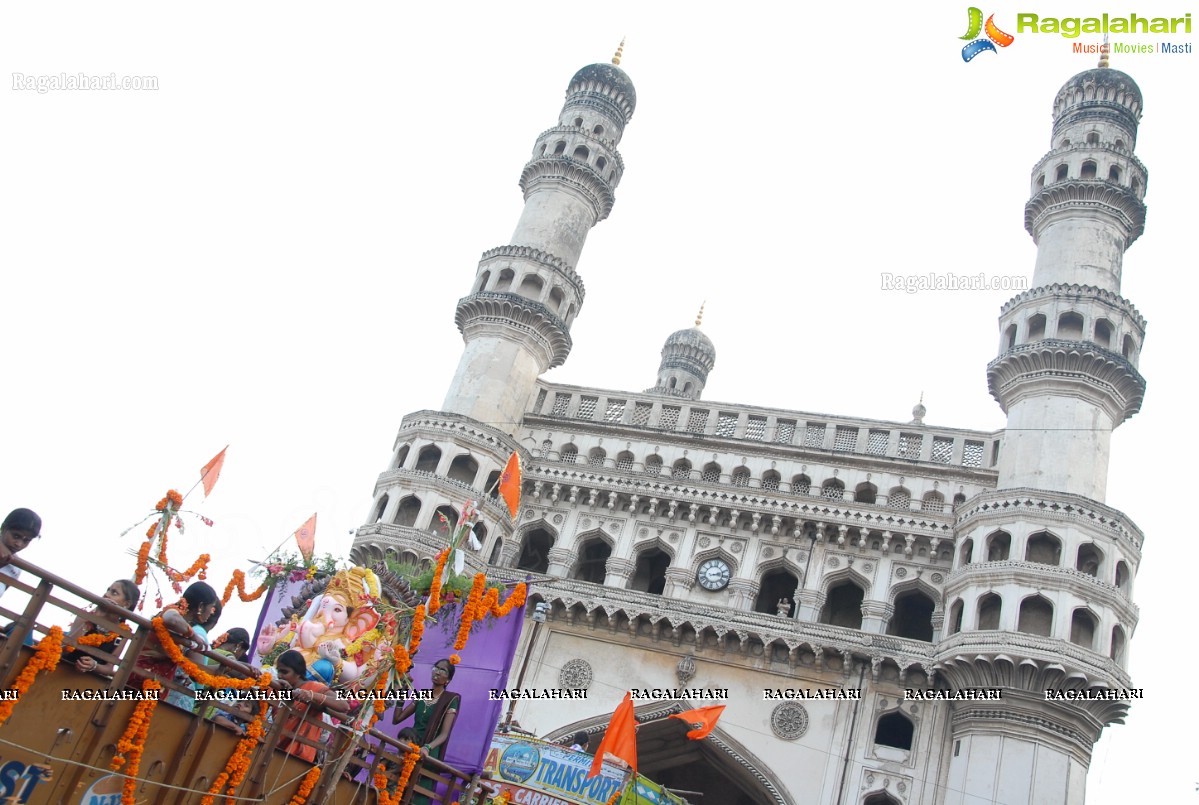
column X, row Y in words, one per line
column 620, row 739
column 702, row 720
column 306, row 538
column 211, row 471
column 510, row 484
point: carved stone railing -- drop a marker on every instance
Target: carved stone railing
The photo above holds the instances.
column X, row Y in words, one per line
column 1049, row 652
column 1005, row 505
column 496, row 510
column 1034, row 574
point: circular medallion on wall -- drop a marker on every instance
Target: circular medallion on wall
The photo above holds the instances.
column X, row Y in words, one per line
column 674, row 536
column 900, row 572
column 789, row 721
column 736, row 548
column 575, row 675
column 644, row 532
column 833, row 561
column 868, row 567
column 557, row 519
column 704, row 542
column 768, row 552
column 585, row 523
column 938, row 578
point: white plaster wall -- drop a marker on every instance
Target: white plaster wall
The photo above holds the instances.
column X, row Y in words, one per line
column 1080, row 249
column 492, row 382
column 1077, row 435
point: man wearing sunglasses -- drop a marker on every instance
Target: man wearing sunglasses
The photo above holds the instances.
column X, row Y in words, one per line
column 19, row 528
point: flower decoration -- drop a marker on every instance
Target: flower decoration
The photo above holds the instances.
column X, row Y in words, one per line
column 194, row 671
column 385, row 796
column 306, row 786
column 97, row 639
column 133, row 740
column 239, row 762
column 238, row 582
column 45, row 658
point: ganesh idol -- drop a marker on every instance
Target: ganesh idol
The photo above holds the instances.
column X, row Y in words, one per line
column 341, row 632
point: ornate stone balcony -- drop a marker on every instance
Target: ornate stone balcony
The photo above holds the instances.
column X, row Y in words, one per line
column 453, row 489
column 1034, row 575
column 1000, row 506
column 1030, row 662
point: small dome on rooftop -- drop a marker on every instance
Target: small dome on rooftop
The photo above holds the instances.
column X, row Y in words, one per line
column 611, row 75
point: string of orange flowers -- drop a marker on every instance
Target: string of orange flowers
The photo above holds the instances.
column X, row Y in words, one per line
column 306, row 786
column 615, row 798
column 435, row 585
column 49, row 651
column 239, row 762
column 143, row 562
column 198, row 567
column 194, row 671
column 385, row 796
column 238, row 582
column 133, row 740
column 97, row 639
column 469, row 610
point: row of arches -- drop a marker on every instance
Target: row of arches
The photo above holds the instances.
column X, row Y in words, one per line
column 1070, row 326
column 1044, row 548
column 532, row 286
column 898, row 497
column 581, row 153
column 1035, row 616
column 1088, row 170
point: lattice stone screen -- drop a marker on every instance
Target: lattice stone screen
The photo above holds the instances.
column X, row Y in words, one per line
column 561, row 403
column 846, row 438
column 670, row 417
column 876, row 442
column 942, row 449
column 541, row 395
column 726, row 425
column 972, row 454
column 587, row 407
column 814, row 436
column 653, row 465
column 784, row 432
column 624, row 462
column 711, row 474
column 615, row 411
column 641, row 412
column 697, row 421
column 900, row 499
column 910, row 444
column 741, row 477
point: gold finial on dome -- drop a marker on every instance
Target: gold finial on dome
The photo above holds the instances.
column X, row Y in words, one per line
column 1104, row 52
column 699, row 317
column 619, row 53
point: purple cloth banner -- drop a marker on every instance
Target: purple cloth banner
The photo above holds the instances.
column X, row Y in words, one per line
column 273, row 602
column 486, row 662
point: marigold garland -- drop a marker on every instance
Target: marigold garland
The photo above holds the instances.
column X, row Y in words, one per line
column 133, row 741
column 199, row 566
column 238, row 582
column 143, row 561
column 435, row 585
column 49, row 651
column 239, row 762
column 615, row 798
column 194, row 671
column 386, row 797
column 173, row 499
column 306, row 786
column 97, row 639
column 455, row 659
column 418, row 629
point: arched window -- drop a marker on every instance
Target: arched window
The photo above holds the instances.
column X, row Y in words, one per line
column 932, row 502
column 880, row 798
column 776, row 593
column 531, row 286
column 1117, row 650
column 560, row 148
column 492, row 486
column 1036, row 327
column 408, row 511
column 1036, row 616
column 601, row 163
column 535, row 555
column 593, row 559
column 401, row 457
column 464, row 468
column 578, row 122
column 711, row 473
column 913, row 617
column 556, row 299
column 1119, row 143
column 832, row 489
column 568, row 454
column 740, row 476
column 771, row 481
column 596, row 457
column 504, row 281
column 1062, row 173
column 379, row 509
column 843, row 607
column 681, row 469
column 1089, row 559
column 899, row 498
column 801, row 485
column 895, row 730
column 1113, row 174
column 624, row 461
column 958, row 500
column 598, row 131
column 428, row 458
column 1010, row 336
column 955, row 616
column 653, row 465
column 1093, row 138
column 483, row 280
column 1121, row 576
column 990, row 607
column 1069, row 326
column 581, row 153
column 444, row 520
column 999, row 546
column 650, row 573
column 865, row 493
column 497, row 551
column 966, row 553
column 1041, row 182
column 1103, row 333
column 1128, row 347
column 1044, row 549
column 1083, row 624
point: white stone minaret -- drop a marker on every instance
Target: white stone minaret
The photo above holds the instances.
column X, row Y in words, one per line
column 1041, row 593
column 1067, row 373
column 516, row 321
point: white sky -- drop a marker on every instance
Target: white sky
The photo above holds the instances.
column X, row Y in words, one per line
column 266, row 252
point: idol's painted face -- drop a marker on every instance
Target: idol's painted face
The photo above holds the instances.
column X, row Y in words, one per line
column 332, row 613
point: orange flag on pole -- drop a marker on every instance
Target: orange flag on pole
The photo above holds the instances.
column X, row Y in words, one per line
column 510, row 484
column 211, row 471
column 701, row 720
column 306, row 538
column 620, row 739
